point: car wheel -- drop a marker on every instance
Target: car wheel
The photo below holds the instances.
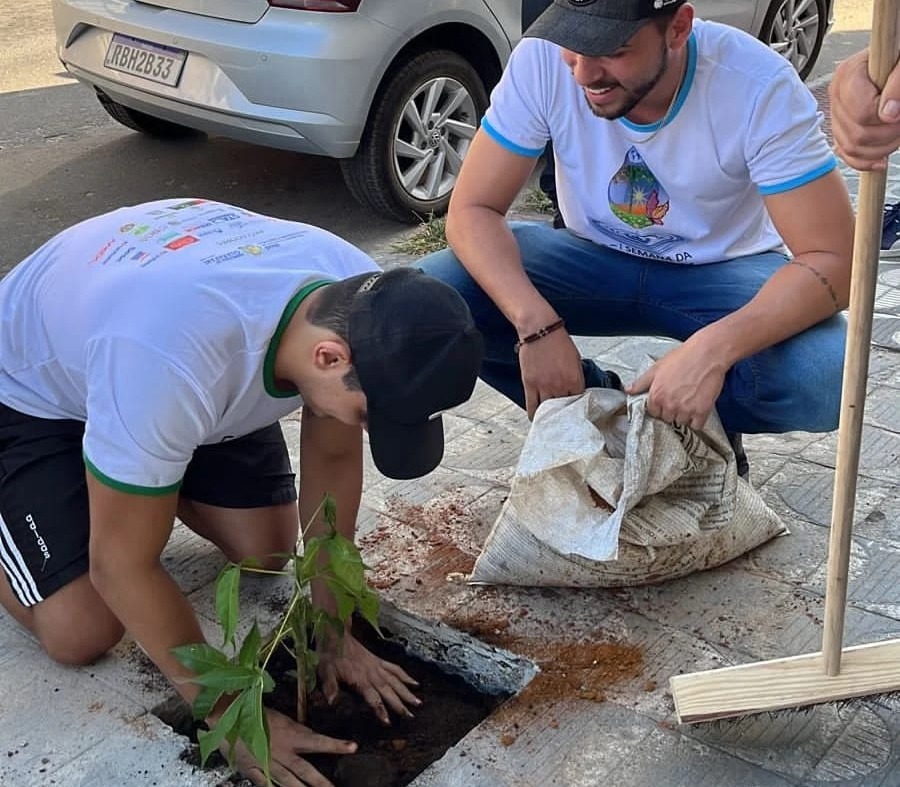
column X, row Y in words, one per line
column 419, row 130
column 796, row 29
column 140, row 121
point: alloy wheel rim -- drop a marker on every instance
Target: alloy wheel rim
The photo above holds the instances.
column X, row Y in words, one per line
column 794, row 31
column 432, row 136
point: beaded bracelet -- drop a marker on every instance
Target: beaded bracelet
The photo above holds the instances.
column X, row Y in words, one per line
column 539, row 334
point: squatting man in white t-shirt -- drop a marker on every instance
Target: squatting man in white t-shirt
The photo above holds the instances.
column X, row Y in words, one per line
column 146, row 356
column 688, row 155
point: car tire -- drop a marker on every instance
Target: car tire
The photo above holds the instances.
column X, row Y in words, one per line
column 375, row 175
column 783, row 37
column 140, row 121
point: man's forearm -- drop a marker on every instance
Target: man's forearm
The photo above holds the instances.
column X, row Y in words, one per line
column 334, row 469
column 156, row 614
column 488, row 250
column 806, row 290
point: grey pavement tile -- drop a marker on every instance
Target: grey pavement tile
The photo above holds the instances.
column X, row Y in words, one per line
column 887, row 301
column 742, row 615
column 880, row 453
column 637, row 353
column 886, row 332
column 763, row 467
column 807, row 491
column 53, row 715
column 884, row 368
column 786, row 444
column 883, row 407
column 141, row 753
column 485, row 447
column 191, row 560
column 832, row 743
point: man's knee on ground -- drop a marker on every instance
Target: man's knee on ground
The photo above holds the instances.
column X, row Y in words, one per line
column 80, row 646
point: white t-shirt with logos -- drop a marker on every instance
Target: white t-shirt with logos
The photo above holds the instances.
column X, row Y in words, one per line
column 157, row 326
column 690, row 189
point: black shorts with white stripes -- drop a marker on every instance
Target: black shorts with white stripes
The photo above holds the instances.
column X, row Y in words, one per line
column 44, row 519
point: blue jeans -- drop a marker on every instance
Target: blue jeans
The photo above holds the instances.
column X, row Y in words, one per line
column 794, row 385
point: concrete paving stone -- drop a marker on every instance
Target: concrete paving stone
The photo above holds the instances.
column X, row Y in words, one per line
column 808, row 491
column 790, row 559
column 884, row 368
column 81, row 711
column 833, row 743
column 734, row 611
column 636, row 354
column 485, row 447
column 880, row 452
column 763, row 467
column 883, row 407
column 142, row 753
column 888, row 301
column 886, row 332
column 398, row 498
column 784, row 444
column 874, row 588
column 191, row 560
column 889, row 274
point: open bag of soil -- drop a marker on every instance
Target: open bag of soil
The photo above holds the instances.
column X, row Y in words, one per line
column 606, row 496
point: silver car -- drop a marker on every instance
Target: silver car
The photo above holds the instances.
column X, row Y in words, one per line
column 394, row 89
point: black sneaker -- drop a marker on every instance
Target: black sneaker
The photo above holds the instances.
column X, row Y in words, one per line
column 595, row 377
column 737, row 445
column 890, row 231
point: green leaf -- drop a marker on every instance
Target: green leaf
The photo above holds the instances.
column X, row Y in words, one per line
column 344, row 600
column 205, row 701
column 227, row 586
column 368, row 608
column 305, row 567
column 229, row 679
column 200, row 657
column 249, row 655
column 345, row 563
column 253, row 729
column 209, row 741
column 330, row 511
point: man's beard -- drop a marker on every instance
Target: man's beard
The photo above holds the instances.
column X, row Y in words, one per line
column 632, row 96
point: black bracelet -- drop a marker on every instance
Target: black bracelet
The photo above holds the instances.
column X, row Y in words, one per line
column 540, row 334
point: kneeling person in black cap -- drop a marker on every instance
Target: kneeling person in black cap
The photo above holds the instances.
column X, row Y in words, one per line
column 146, row 357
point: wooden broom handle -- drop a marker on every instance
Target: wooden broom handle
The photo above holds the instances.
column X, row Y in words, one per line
column 883, row 52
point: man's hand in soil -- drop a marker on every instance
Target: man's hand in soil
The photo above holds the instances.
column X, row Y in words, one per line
column 287, row 741
column 378, row 681
column 683, row 385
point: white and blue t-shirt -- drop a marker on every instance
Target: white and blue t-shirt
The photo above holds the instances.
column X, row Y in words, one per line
column 157, row 325
column 690, row 189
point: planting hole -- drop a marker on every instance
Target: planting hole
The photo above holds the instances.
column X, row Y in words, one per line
column 461, row 681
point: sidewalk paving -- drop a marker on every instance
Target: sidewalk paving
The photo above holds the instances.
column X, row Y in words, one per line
column 93, row 727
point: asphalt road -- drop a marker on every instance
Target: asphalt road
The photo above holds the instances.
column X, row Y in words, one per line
column 62, row 159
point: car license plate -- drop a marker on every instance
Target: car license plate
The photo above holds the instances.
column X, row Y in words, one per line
column 144, row 59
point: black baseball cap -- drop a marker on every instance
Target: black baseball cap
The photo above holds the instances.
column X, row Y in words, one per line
column 417, row 352
column 595, row 28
